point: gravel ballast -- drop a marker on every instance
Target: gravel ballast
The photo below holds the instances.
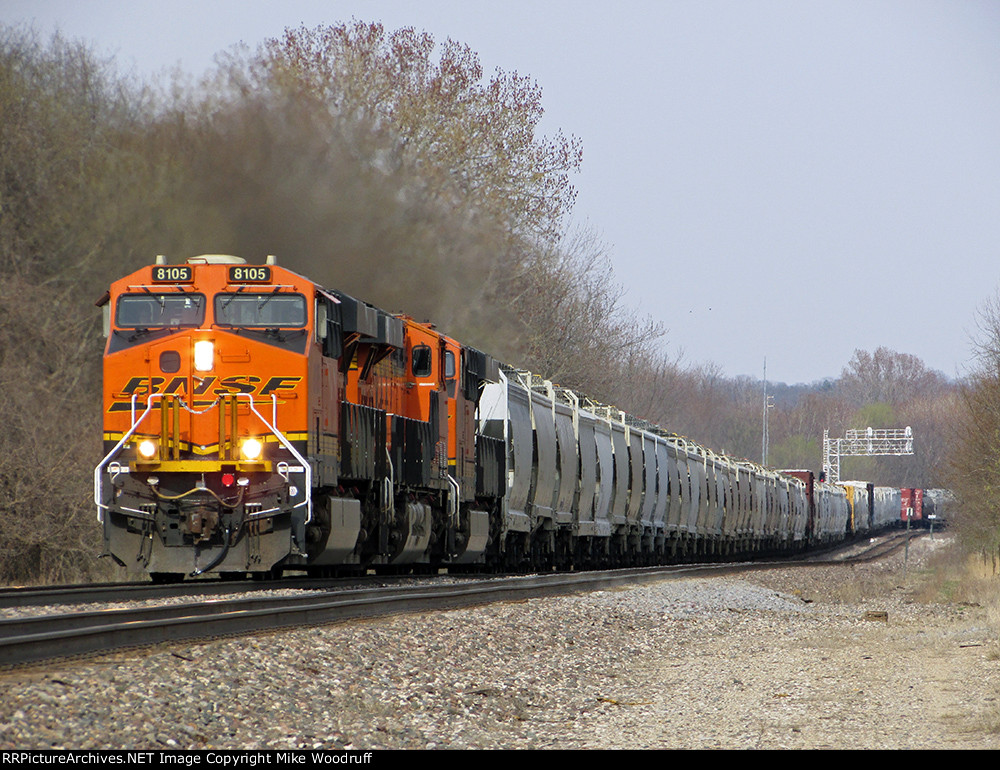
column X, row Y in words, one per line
column 756, row 660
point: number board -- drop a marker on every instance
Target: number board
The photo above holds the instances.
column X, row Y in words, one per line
column 249, row 274
column 173, row 274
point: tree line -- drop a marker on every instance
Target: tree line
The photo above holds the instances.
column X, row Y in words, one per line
column 374, row 161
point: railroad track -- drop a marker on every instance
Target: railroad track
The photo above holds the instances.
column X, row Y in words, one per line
column 33, row 639
column 878, row 548
column 27, row 640
column 97, row 593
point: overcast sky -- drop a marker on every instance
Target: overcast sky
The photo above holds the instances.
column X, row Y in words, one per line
column 783, row 179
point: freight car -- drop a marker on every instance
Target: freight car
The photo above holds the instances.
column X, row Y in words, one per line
column 255, row 421
column 860, row 503
column 937, row 504
column 911, row 507
column 888, row 501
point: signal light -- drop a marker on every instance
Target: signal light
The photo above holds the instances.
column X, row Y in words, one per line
column 147, row 449
column 228, row 479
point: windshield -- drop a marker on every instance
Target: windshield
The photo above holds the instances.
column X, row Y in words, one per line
column 267, row 310
column 145, row 311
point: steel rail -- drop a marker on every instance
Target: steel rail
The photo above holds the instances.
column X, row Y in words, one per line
column 884, row 547
column 33, row 639
column 96, row 593
column 30, row 640
column 112, row 592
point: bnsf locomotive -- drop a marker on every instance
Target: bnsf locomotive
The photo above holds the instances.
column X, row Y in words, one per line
column 255, row 421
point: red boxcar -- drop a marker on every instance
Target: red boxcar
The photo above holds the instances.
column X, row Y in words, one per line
column 912, row 505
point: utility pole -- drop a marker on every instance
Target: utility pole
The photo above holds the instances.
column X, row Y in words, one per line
column 768, row 404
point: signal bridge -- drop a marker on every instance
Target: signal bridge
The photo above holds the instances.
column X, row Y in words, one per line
column 864, row 443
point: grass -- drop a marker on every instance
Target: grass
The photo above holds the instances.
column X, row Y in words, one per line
column 953, row 577
column 960, row 579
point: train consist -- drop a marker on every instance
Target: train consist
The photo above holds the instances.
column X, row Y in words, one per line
column 255, row 422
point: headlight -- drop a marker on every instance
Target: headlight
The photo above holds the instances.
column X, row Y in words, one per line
column 252, row 448
column 204, row 355
column 147, row 449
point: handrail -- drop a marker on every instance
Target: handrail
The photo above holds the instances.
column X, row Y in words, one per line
column 99, row 470
column 306, row 467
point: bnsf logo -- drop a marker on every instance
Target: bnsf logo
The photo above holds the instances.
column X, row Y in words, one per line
column 209, row 386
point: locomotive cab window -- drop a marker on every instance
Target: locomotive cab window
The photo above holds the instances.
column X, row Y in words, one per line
column 141, row 311
column 422, row 362
column 449, row 373
column 260, row 310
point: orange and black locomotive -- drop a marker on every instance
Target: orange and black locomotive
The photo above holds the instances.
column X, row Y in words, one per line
column 255, row 421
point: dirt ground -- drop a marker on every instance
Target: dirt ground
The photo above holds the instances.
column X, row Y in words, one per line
column 887, row 660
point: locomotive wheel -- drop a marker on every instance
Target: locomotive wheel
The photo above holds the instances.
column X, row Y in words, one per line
column 272, row 574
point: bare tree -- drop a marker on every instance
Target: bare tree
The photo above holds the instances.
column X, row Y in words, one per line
column 475, row 142
column 974, row 470
column 70, row 188
column 571, row 323
column 889, row 377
